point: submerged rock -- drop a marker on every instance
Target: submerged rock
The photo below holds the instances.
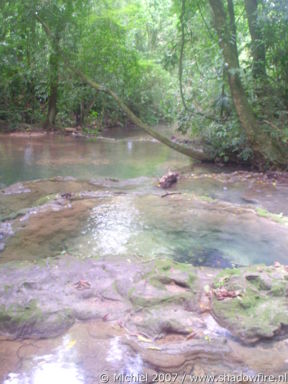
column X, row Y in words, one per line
column 15, row 189
column 256, row 304
column 5, row 231
column 208, row 257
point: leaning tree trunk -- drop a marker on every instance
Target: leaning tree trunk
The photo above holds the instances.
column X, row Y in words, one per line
column 53, row 86
column 266, row 150
column 194, row 153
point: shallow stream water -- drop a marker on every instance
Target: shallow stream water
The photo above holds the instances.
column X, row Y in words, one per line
column 133, row 216
column 205, row 221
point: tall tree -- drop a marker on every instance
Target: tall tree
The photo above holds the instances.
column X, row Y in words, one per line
column 266, row 149
column 257, row 40
column 53, row 83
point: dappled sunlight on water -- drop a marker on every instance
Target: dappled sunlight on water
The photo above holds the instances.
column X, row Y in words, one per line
column 58, row 367
column 111, row 227
column 82, row 355
column 132, row 363
column 91, row 349
column 184, row 228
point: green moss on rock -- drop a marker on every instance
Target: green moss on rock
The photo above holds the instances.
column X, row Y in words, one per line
column 166, row 282
column 261, row 309
column 46, row 199
column 278, row 218
column 30, row 321
column 17, row 315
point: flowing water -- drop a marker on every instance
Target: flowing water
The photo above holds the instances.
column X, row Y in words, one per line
column 205, row 221
column 140, row 221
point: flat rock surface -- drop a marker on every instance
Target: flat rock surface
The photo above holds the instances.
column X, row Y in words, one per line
column 154, row 299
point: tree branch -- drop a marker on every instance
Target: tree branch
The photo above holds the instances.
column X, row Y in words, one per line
column 194, row 153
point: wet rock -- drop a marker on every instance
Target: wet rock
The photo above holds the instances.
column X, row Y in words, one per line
column 159, row 299
column 45, row 208
column 260, row 280
column 29, row 321
column 41, row 302
column 147, row 295
column 66, row 195
column 280, row 177
column 162, row 321
column 166, row 282
column 249, row 201
column 5, row 231
column 185, row 357
column 70, row 130
column 32, row 297
column 64, row 178
column 260, row 311
column 15, row 189
column 168, row 180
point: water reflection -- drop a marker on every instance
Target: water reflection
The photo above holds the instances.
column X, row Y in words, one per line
column 185, row 230
column 111, row 226
column 129, row 146
column 148, row 226
column 194, row 232
column 57, row 368
column 28, row 155
column 63, row 365
column 28, row 159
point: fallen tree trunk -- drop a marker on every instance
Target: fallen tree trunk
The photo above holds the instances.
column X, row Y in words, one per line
column 194, row 153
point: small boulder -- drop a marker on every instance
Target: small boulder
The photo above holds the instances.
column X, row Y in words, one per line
column 168, row 180
column 251, row 302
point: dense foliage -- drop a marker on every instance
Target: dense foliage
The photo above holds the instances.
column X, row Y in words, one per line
column 114, row 42
column 218, row 67
column 205, row 73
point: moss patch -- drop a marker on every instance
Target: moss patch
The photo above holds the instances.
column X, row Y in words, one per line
column 273, row 216
column 261, row 310
column 29, row 321
column 46, row 199
column 17, row 316
column 166, row 281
